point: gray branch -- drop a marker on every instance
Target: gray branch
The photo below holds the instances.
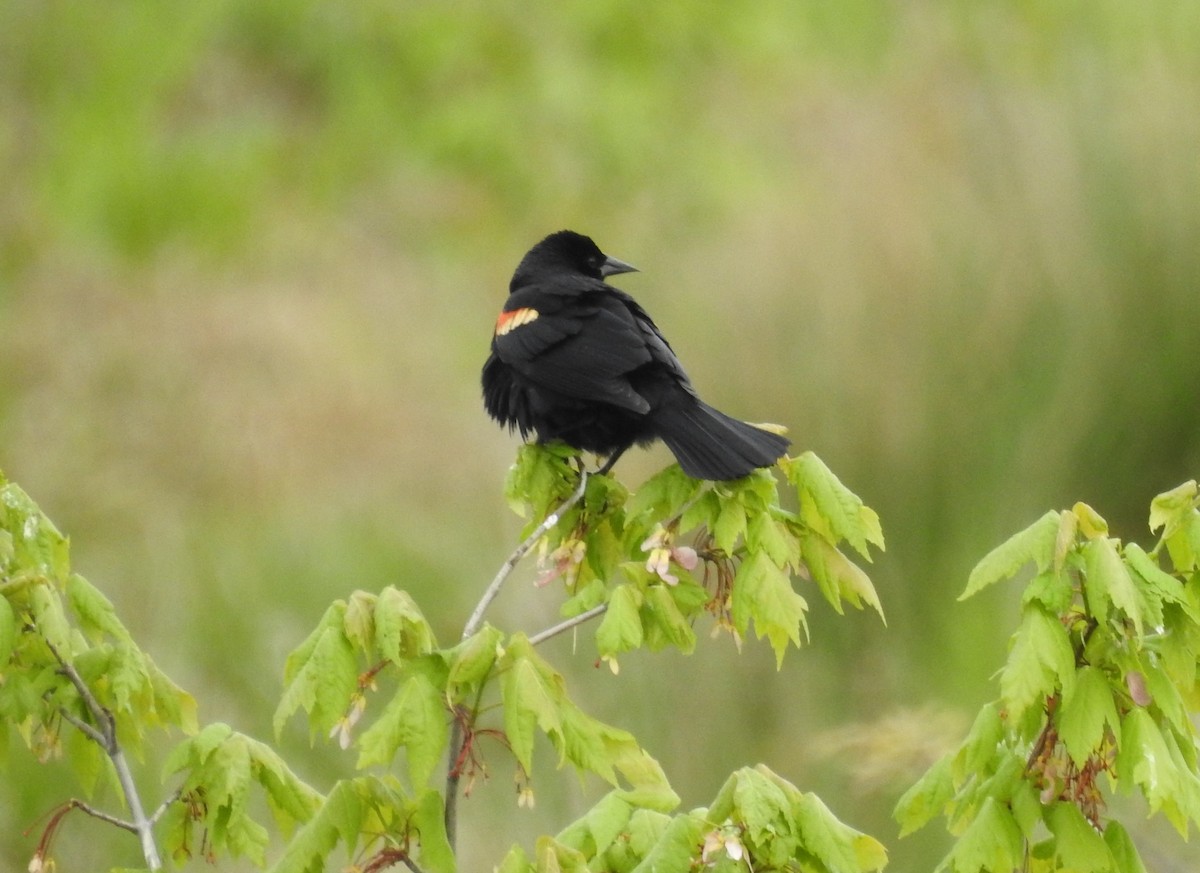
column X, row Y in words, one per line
column 472, row 625
column 104, row 734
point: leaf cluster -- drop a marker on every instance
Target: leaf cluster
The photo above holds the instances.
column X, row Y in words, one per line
column 73, row 681
column 611, row 552
column 757, row 821
column 52, row 620
column 372, row 676
column 1096, row 699
column 679, row 547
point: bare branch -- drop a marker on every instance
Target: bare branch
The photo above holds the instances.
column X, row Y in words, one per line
column 519, row 552
column 84, row 728
column 472, row 625
column 165, row 805
column 105, row 735
column 562, row 626
column 103, row 816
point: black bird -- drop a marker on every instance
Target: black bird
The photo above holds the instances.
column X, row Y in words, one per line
column 577, row 360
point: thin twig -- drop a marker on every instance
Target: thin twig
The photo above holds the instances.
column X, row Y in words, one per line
column 165, row 805
column 104, row 734
column 84, row 728
column 472, row 625
column 574, row 621
column 102, row 815
column 519, row 552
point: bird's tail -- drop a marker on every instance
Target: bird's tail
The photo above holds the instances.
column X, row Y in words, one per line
column 710, row 445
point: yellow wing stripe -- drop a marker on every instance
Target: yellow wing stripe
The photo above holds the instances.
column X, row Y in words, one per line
column 514, row 318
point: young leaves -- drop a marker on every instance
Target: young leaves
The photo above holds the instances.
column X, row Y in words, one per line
column 1091, row 698
column 378, row 824
column 219, row 767
column 757, row 821
column 745, row 552
column 534, row 699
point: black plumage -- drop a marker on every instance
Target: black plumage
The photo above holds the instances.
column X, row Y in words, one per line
column 577, row 360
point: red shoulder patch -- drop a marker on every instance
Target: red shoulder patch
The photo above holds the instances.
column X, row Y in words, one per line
column 514, row 318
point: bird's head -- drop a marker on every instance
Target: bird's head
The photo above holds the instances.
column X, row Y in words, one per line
column 568, row 252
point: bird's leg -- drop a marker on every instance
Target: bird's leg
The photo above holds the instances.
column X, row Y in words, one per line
column 612, row 459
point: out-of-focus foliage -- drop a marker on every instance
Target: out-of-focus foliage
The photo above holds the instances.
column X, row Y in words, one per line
column 250, row 255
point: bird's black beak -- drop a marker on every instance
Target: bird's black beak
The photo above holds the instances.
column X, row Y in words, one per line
column 612, row 266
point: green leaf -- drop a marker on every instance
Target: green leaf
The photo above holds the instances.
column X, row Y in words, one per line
column 765, row 534
column 830, row 506
column 472, row 659
column 516, row 861
column 600, row 826
column 1040, row 663
column 838, row 578
column 358, row 621
column 1077, row 845
column 37, row 547
column 992, row 841
column 429, row 823
column 664, row 494
column 1124, row 853
column 322, row 685
column 675, row 847
column 703, row 511
column 1175, row 512
column 1144, row 759
column 172, row 705
column 8, row 632
column 1091, row 524
column 532, row 696
column 978, row 753
column 1087, row 708
column 621, row 628
column 290, row 799
column 762, row 592
column 333, row 618
column 664, row 623
column 1158, row 587
column 1107, row 581
column 554, row 856
column 50, row 620
column 541, row 477
column 926, row 799
column 1035, row 543
column 649, row 786
column 1166, row 696
column 401, row 630
column 839, row 848
column 342, row 816
column 730, row 525
column 1169, row 509
column 415, row 719
column 95, row 611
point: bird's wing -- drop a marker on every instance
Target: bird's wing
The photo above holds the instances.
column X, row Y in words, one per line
column 583, row 346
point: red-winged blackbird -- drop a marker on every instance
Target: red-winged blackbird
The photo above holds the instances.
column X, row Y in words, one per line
column 577, row 360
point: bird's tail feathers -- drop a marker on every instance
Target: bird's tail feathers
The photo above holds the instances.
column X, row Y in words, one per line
column 710, row 445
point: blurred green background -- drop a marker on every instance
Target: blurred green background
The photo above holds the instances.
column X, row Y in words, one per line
column 250, row 256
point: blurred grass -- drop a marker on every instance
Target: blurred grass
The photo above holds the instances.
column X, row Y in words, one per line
column 249, row 256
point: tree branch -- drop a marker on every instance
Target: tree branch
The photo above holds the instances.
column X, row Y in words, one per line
column 562, row 626
column 519, row 552
column 104, row 734
column 102, row 815
column 472, row 625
